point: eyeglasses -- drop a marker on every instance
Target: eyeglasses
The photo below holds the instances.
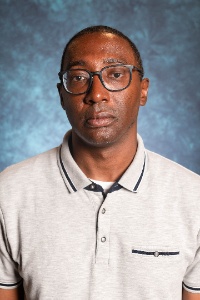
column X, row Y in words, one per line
column 114, row 78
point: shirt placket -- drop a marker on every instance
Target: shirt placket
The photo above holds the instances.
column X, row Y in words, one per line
column 103, row 233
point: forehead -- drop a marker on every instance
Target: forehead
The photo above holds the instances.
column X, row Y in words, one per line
column 99, row 48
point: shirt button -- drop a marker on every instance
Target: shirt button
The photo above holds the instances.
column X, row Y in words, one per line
column 103, row 211
column 92, row 186
column 103, row 239
column 156, row 253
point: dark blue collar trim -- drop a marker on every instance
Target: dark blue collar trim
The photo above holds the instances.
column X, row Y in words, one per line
column 65, row 172
column 115, row 187
column 140, row 178
column 94, row 187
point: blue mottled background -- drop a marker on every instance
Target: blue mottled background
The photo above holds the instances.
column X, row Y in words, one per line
column 33, row 35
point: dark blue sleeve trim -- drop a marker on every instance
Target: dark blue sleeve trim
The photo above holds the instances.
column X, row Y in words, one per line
column 10, row 284
column 191, row 288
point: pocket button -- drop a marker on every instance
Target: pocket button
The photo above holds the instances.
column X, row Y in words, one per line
column 156, row 253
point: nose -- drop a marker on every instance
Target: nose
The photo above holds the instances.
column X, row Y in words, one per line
column 97, row 92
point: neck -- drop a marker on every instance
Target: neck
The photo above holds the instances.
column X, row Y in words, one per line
column 104, row 163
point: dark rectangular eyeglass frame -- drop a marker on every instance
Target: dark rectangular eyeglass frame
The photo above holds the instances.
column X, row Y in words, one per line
column 99, row 74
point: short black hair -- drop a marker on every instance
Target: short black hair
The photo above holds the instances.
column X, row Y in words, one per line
column 105, row 29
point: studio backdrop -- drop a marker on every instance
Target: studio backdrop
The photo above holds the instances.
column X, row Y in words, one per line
column 33, row 35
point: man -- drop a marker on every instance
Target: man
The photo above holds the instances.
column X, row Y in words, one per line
column 107, row 219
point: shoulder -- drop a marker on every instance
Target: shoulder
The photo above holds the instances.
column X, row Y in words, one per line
column 176, row 188
column 29, row 168
column 168, row 170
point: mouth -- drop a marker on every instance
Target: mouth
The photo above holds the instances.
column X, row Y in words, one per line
column 102, row 119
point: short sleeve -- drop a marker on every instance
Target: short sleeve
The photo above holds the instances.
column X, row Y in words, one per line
column 9, row 277
column 191, row 280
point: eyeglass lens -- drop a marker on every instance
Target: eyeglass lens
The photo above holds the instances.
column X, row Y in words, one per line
column 113, row 78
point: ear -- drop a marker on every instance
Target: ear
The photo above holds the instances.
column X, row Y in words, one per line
column 144, row 91
column 59, row 87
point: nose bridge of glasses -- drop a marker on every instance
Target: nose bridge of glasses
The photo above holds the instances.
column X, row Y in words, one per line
column 99, row 75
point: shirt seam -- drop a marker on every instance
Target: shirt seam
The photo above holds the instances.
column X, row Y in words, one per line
column 5, row 232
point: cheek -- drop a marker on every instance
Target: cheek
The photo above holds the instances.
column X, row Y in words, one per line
column 73, row 107
column 128, row 105
column 72, row 114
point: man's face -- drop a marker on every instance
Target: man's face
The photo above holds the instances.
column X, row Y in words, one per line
column 101, row 117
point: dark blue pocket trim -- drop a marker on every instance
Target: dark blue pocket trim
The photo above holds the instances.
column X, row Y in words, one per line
column 155, row 253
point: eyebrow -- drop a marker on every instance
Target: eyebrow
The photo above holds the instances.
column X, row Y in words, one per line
column 76, row 63
column 115, row 60
column 105, row 61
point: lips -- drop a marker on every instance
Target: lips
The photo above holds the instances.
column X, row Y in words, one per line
column 101, row 119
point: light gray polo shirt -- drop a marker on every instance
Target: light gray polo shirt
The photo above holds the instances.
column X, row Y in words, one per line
column 68, row 240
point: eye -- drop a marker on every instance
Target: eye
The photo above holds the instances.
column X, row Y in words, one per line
column 117, row 75
column 78, row 78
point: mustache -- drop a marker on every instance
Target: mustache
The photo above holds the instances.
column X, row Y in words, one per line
column 101, row 110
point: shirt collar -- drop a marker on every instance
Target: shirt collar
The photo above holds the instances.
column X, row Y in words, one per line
column 75, row 179
column 132, row 177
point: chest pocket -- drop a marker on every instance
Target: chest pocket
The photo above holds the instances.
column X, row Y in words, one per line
column 157, row 265
column 156, row 259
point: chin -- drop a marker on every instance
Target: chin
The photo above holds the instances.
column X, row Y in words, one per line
column 97, row 142
column 100, row 141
